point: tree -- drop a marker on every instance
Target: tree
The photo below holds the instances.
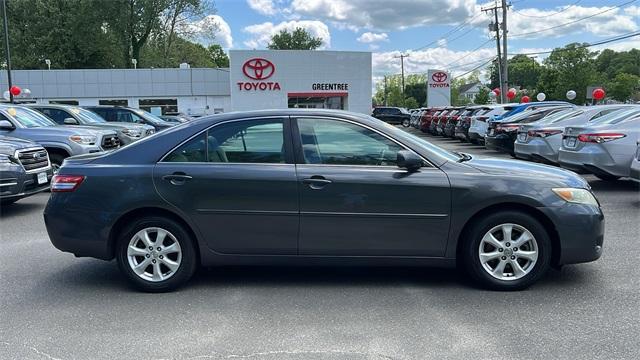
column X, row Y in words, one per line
column 410, row 103
column 182, row 51
column 624, row 86
column 523, row 72
column 218, row 56
column 482, row 97
column 299, row 39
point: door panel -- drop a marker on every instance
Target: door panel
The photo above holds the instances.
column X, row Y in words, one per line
column 355, row 201
column 238, row 183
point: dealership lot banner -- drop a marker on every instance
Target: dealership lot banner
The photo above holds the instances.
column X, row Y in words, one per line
column 438, row 88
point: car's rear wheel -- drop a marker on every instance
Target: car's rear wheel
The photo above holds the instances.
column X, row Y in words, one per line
column 607, row 177
column 506, row 251
column 156, row 254
column 56, row 162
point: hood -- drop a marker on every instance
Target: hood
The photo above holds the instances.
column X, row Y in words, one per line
column 92, row 130
column 116, row 126
column 523, row 169
column 63, row 131
column 9, row 145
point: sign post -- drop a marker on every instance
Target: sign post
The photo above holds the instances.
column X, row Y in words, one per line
column 438, row 88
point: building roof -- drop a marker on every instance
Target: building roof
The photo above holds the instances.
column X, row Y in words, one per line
column 466, row 87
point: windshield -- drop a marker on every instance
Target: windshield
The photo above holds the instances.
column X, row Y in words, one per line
column 29, row 118
column 87, row 116
column 616, row 116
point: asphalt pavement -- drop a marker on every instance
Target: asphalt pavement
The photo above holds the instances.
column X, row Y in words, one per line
column 55, row 306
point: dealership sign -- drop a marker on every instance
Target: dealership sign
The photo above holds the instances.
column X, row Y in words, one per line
column 259, row 70
column 438, row 88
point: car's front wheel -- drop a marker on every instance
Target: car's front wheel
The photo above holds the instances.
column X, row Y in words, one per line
column 406, row 122
column 156, row 254
column 506, row 251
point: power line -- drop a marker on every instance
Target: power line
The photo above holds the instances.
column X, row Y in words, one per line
column 476, row 68
column 449, row 33
column 552, row 14
column 601, row 42
column 575, row 21
column 462, row 57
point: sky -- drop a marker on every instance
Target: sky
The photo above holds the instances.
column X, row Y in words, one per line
column 442, row 34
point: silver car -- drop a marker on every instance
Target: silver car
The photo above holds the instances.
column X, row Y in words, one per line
column 74, row 115
column 605, row 148
column 635, row 164
column 541, row 140
column 478, row 127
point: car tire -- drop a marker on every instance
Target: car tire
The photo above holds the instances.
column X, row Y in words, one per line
column 533, row 258
column 406, row 123
column 7, row 202
column 607, row 177
column 56, row 161
column 158, row 275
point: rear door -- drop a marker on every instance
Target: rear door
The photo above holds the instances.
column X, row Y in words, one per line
column 354, row 200
column 237, row 181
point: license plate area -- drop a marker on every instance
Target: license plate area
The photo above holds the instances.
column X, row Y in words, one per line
column 522, row 137
column 570, row 142
column 42, row 178
column 491, row 132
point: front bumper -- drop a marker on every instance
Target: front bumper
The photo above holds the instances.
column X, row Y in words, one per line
column 17, row 184
column 580, row 229
column 500, row 142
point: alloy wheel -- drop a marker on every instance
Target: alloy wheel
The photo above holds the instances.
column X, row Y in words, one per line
column 154, row 254
column 508, row 252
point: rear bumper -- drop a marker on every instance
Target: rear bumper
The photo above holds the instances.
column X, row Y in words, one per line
column 580, row 229
column 501, row 142
column 535, row 150
column 595, row 162
column 635, row 169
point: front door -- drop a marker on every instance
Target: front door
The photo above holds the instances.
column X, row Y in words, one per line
column 354, row 200
column 237, row 182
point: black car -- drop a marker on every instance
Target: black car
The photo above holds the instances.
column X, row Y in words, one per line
column 25, row 169
column 312, row 187
column 501, row 135
column 393, row 115
column 130, row 115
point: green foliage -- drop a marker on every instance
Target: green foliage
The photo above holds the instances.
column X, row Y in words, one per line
column 299, row 39
column 411, row 103
column 624, row 86
column 482, row 97
column 415, row 86
column 218, row 56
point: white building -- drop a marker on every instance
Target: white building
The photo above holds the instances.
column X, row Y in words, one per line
column 256, row 79
column 469, row 91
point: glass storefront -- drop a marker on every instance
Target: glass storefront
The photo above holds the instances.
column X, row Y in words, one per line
column 317, row 102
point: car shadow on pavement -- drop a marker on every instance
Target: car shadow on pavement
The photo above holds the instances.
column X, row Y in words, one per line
column 615, row 186
column 17, row 209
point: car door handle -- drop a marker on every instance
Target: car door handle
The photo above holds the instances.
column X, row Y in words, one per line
column 316, row 182
column 177, row 178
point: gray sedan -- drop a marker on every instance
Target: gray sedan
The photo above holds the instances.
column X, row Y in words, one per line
column 317, row 187
column 635, row 164
column 541, row 140
column 605, row 148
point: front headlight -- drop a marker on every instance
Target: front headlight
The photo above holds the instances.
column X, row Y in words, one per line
column 83, row 139
column 577, row 196
column 132, row 132
column 8, row 159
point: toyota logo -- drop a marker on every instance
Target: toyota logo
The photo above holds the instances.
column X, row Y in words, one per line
column 439, row 76
column 258, row 69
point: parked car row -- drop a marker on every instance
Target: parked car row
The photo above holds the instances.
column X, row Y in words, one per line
column 35, row 139
column 601, row 139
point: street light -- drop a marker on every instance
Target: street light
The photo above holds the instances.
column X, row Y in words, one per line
column 48, row 62
column 135, row 63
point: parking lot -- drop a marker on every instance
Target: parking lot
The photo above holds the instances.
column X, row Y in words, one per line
column 55, row 306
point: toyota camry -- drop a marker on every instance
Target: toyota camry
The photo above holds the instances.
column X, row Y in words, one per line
column 317, row 187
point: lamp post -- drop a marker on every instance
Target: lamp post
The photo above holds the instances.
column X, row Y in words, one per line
column 6, row 46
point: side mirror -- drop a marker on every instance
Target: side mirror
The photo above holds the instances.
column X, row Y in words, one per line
column 6, row 125
column 408, row 160
column 70, row 121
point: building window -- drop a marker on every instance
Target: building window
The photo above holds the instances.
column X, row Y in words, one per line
column 114, row 102
column 159, row 106
column 64, row 102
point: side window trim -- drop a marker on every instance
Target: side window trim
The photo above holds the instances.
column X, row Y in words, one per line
column 286, row 138
column 299, row 156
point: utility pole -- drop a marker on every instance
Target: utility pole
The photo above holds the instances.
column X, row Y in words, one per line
column 402, row 56
column 6, row 47
column 385, row 90
column 505, row 69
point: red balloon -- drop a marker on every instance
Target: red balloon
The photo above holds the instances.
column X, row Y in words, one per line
column 497, row 91
column 15, row 90
column 525, row 99
column 511, row 94
column 598, row 94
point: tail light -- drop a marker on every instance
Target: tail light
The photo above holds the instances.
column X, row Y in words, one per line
column 66, row 183
column 507, row 127
column 543, row 133
column 599, row 138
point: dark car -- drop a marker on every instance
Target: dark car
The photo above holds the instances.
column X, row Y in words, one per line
column 312, row 187
column 392, row 115
column 130, row 115
column 461, row 129
column 501, row 135
column 25, row 169
column 452, row 121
